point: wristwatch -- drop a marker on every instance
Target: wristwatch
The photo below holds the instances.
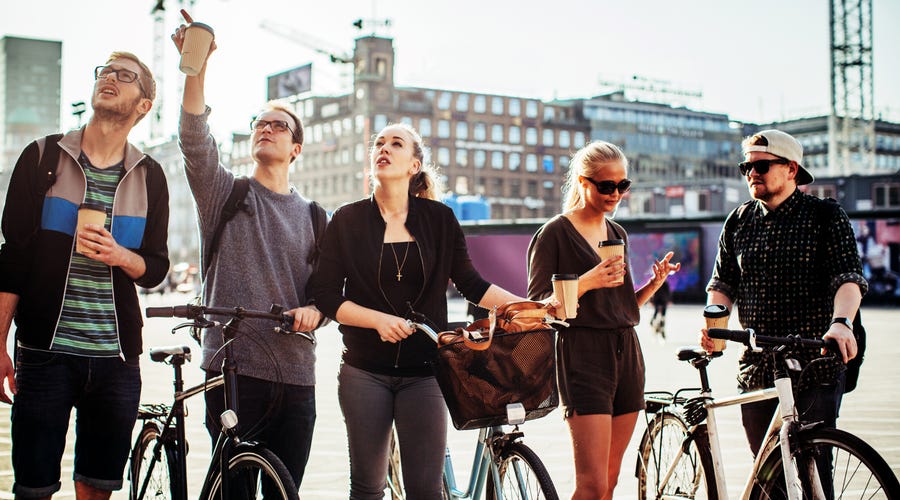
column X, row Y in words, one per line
column 844, row 321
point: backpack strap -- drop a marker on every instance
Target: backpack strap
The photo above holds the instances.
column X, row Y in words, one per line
column 319, row 221
column 233, row 205
column 47, row 163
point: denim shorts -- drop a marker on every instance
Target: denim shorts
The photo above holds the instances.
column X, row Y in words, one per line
column 104, row 392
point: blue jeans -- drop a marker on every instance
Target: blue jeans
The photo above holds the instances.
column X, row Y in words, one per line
column 280, row 416
column 371, row 404
column 104, row 392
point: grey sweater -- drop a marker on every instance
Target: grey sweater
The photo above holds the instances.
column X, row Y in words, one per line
column 262, row 260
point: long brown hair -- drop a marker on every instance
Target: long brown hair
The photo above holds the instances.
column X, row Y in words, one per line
column 426, row 182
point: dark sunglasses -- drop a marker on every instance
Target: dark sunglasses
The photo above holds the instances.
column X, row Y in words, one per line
column 761, row 166
column 609, row 187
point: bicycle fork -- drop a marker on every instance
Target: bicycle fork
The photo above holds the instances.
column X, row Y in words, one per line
column 794, row 464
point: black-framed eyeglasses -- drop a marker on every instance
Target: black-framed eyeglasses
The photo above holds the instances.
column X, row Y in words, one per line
column 123, row 75
column 761, row 166
column 277, row 125
column 609, row 187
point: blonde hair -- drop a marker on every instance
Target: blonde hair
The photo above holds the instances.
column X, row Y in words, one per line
column 426, row 182
column 587, row 162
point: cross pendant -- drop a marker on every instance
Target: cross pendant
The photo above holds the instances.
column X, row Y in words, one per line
column 399, row 275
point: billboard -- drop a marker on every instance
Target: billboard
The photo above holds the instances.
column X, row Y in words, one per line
column 291, row 82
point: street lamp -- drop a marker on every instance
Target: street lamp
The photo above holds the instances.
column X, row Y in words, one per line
column 78, row 109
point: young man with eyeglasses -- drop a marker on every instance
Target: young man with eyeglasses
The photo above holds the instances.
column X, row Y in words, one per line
column 78, row 320
column 262, row 258
column 788, row 261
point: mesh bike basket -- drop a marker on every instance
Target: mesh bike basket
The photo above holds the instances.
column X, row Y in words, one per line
column 517, row 368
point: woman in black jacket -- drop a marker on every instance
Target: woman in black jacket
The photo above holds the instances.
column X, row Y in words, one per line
column 380, row 255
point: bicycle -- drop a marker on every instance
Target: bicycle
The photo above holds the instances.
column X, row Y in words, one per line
column 158, row 467
column 503, row 467
column 679, row 451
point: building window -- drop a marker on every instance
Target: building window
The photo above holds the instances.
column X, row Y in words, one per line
column 497, row 186
column 564, row 139
column 548, row 114
column 515, row 134
column 462, row 130
column 531, row 136
column 462, row 158
column 548, row 164
column 497, row 133
column 444, row 99
column 425, row 127
column 497, row 105
column 443, row 157
column 381, row 121
column 531, row 164
column 548, row 137
column 564, row 162
column 497, row 160
column 886, row 195
column 532, row 189
column 531, row 109
column 443, row 129
column 462, row 102
column 515, row 161
column 515, row 107
column 822, row 190
column 480, row 158
column 579, row 140
column 480, row 132
column 479, row 104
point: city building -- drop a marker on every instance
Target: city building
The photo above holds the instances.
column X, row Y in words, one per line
column 30, row 83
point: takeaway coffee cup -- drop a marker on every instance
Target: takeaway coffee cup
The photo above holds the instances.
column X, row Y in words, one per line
column 612, row 248
column 197, row 39
column 565, row 288
column 88, row 214
column 716, row 317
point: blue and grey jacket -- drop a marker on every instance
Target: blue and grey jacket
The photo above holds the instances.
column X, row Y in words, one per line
column 39, row 229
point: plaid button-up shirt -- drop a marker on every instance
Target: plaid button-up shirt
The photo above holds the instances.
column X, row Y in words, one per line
column 781, row 269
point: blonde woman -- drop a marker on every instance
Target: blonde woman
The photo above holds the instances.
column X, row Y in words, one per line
column 400, row 246
column 600, row 364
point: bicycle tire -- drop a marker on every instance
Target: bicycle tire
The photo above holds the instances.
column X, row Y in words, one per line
column 522, row 476
column 249, row 469
column 858, row 471
column 143, row 462
column 395, row 473
column 661, row 442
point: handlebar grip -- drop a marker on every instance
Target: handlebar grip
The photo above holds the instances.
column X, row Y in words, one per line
column 169, row 312
column 160, row 312
column 734, row 335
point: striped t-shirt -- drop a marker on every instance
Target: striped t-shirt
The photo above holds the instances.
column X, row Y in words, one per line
column 87, row 324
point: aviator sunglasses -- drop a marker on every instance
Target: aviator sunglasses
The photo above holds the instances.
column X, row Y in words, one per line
column 609, row 187
column 761, row 166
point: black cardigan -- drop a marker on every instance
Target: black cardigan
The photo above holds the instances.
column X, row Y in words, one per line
column 348, row 270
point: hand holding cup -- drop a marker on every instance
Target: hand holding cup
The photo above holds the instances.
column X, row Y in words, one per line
column 195, row 42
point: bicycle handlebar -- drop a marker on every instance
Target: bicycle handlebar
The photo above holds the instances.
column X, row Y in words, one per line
column 194, row 312
column 750, row 339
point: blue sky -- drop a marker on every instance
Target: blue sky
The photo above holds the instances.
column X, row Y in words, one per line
column 756, row 61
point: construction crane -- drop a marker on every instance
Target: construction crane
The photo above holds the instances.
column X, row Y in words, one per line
column 315, row 44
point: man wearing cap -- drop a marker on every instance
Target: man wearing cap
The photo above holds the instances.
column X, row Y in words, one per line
column 788, row 261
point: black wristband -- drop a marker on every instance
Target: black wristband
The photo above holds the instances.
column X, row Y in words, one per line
column 844, row 321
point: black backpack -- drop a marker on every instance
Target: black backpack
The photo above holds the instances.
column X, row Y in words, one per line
column 236, row 203
column 823, row 212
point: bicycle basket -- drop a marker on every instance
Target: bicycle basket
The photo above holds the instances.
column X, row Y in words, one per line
column 518, row 367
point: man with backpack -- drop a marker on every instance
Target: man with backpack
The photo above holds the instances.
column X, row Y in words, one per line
column 71, row 288
column 788, row 261
column 263, row 255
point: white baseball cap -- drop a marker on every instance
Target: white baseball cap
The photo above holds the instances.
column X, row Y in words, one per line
column 780, row 144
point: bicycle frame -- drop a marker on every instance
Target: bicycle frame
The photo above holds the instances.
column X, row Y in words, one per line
column 483, row 463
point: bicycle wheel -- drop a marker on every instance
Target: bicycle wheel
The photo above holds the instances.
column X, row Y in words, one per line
column 850, row 468
column 395, row 474
column 253, row 472
column 660, row 445
column 522, row 476
column 143, row 464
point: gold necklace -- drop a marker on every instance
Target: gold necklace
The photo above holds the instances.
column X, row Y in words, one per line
column 397, row 261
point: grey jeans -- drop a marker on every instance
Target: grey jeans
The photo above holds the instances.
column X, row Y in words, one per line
column 371, row 403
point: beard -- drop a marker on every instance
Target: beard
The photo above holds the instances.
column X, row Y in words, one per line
column 122, row 113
